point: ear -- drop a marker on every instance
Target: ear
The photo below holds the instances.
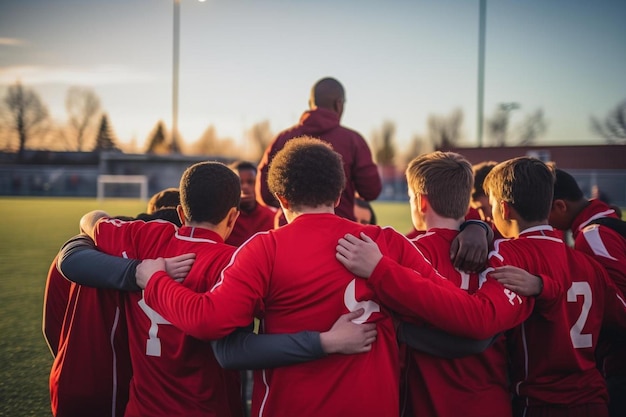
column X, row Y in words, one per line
column 338, row 106
column 505, row 209
column 423, row 203
column 337, row 202
column 181, row 214
column 559, row 206
column 283, row 201
column 232, row 216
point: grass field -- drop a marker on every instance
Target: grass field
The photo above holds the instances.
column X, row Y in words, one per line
column 32, row 230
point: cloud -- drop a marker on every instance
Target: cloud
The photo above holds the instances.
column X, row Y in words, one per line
column 12, row 42
column 101, row 75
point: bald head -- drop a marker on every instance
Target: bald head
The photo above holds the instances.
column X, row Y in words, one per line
column 327, row 93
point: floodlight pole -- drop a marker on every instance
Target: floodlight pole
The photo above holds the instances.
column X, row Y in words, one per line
column 481, row 70
column 175, row 59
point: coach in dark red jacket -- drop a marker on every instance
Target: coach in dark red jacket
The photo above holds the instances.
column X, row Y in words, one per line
column 323, row 121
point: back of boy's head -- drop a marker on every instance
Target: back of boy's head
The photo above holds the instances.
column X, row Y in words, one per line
column 566, row 187
column 447, row 179
column 167, row 198
column 480, row 172
column 527, row 184
column 208, row 190
column 307, row 172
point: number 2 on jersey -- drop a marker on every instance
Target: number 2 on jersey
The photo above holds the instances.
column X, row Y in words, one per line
column 580, row 340
column 153, row 344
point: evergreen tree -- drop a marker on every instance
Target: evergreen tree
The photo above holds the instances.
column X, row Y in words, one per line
column 156, row 141
column 105, row 140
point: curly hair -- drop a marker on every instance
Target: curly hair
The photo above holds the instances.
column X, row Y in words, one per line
column 208, row 190
column 307, row 172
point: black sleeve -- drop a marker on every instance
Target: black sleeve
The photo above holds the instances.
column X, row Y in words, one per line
column 80, row 261
column 244, row 349
column 439, row 343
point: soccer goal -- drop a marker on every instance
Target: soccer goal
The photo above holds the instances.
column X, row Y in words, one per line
column 122, row 186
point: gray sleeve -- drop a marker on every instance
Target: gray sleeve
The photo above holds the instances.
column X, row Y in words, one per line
column 81, row 262
column 244, row 349
column 439, row 343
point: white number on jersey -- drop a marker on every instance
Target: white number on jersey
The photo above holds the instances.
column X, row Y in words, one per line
column 153, row 344
column 349, row 299
column 580, row 340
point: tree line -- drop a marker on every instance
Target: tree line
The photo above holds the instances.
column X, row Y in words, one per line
column 25, row 124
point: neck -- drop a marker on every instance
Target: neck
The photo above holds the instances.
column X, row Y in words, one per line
column 435, row 221
column 293, row 212
column 220, row 228
column 524, row 225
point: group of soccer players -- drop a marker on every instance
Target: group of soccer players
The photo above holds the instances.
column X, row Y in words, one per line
column 355, row 320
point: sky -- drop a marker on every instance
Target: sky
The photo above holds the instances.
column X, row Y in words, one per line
column 246, row 61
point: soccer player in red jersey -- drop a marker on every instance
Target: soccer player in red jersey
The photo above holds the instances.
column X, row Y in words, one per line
column 253, row 217
column 440, row 184
column 553, row 370
column 290, row 278
column 572, row 211
column 174, row 374
column 85, row 329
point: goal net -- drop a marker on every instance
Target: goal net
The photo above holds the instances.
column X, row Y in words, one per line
column 122, row 186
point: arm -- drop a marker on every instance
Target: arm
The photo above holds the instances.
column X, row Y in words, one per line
column 261, row 187
column 438, row 343
column 470, row 248
column 244, row 349
column 491, row 310
column 56, row 297
column 80, row 261
column 367, row 181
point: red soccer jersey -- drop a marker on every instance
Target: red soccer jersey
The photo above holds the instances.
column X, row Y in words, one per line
column 174, row 374
column 91, row 371
column 442, row 387
column 607, row 247
column 552, row 353
column 291, row 279
column 248, row 223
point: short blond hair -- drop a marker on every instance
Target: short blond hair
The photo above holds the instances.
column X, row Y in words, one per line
column 446, row 178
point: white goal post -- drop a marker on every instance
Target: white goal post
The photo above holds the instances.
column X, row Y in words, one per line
column 140, row 180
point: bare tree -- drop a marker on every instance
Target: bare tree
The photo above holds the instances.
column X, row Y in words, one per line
column 210, row 144
column 416, row 147
column 25, row 113
column 260, row 135
column 383, row 144
column 445, row 131
column 613, row 127
column 533, row 127
column 498, row 125
column 83, row 108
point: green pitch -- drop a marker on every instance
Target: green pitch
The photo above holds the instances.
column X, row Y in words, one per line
column 31, row 232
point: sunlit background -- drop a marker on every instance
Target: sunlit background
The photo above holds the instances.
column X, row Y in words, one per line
column 243, row 62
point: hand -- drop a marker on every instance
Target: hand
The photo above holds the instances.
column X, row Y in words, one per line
column 146, row 269
column 347, row 337
column 179, row 266
column 518, row 280
column 469, row 249
column 359, row 256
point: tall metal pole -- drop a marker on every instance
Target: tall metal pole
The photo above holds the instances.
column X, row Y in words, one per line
column 481, row 71
column 176, row 53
